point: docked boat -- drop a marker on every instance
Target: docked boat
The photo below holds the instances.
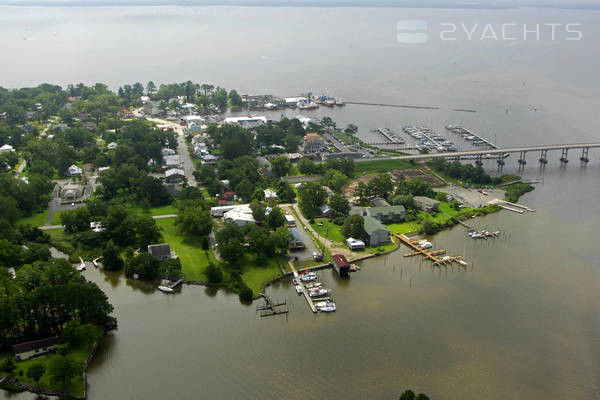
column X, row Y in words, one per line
column 328, row 308
column 318, row 292
column 165, row 289
column 308, row 277
column 308, row 106
column 339, row 102
column 461, row 261
column 81, row 266
column 314, row 285
column 425, row 244
column 294, row 281
column 299, row 289
column 329, row 103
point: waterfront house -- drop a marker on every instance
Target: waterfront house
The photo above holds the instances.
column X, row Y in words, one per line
column 426, row 204
column 160, row 251
column 387, row 215
column 74, row 170
column 355, row 244
column 35, row 348
column 377, row 232
column 341, row 265
column 247, row 122
column 314, row 143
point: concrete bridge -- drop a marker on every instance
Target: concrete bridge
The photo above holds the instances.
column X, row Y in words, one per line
column 501, row 153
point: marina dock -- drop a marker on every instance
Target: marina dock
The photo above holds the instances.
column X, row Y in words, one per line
column 389, row 135
column 304, row 291
column 432, row 256
column 514, row 207
column 271, row 308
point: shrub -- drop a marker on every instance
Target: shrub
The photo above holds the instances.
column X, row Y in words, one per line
column 214, row 274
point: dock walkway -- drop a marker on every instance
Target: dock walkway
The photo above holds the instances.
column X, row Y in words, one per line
column 429, row 255
column 304, row 291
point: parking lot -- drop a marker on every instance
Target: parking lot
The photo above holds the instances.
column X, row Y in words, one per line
column 472, row 197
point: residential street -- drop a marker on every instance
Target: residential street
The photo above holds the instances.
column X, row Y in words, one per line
column 184, row 155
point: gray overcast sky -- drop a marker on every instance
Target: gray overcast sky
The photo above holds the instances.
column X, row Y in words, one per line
column 591, row 4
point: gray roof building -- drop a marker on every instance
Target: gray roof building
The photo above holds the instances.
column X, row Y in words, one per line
column 387, row 215
column 376, row 231
column 427, row 204
column 160, row 251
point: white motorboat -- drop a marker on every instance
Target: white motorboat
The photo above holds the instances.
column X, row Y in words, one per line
column 308, row 277
column 320, row 304
column 425, row 245
column 314, row 285
column 295, row 281
column 330, row 308
column 165, row 289
column 299, row 289
column 81, row 266
column 318, row 292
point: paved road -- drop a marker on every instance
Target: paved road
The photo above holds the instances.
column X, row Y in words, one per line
column 184, row 154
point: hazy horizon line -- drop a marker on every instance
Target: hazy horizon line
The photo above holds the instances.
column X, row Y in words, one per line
column 482, row 4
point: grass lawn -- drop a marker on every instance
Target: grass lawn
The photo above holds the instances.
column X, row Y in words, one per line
column 55, row 220
column 256, row 277
column 329, row 230
column 380, row 167
column 162, row 210
column 76, row 386
column 404, row 228
column 37, row 219
column 193, row 259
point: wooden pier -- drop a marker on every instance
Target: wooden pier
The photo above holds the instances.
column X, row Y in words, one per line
column 176, row 283
column 432, row 256
column 304, row 291
column 271, row 308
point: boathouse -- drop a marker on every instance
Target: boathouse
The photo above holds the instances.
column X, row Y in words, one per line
column 341, row 265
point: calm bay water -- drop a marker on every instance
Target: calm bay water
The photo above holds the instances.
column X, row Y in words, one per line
column 521, row 322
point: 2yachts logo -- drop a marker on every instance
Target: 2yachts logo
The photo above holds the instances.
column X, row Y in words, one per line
column 415, row 31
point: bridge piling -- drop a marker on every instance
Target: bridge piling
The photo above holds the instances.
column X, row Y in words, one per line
column 563, row 158
column 478, row 161
column 584, row 155
column 544, row 157
column 522, row 159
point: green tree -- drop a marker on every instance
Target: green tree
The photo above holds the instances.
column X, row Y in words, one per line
column 213, row 273
column 335, row 180
column 229, row 241
column 381, row 186
column 36, row 371
column 280, row 166
column 143, row 264
column 195, row 221
column 339, row 205
column 311, row 196
column 275, row 218
column 62, row 369
column 235, row 98
column 405, row 200
column 111, row 259
column 8, row 365
column 308, row 167
column 351, row 129
column 354, row 227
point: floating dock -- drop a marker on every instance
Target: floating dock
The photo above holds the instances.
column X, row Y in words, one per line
column 432, row 256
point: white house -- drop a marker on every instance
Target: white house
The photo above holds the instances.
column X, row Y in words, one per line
column 6, row 148
column 247, row 122
column 74, row 170
column 355, row 244
column 270, row 194
column 172, row 161
column 240, row 215
column 111, row 146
